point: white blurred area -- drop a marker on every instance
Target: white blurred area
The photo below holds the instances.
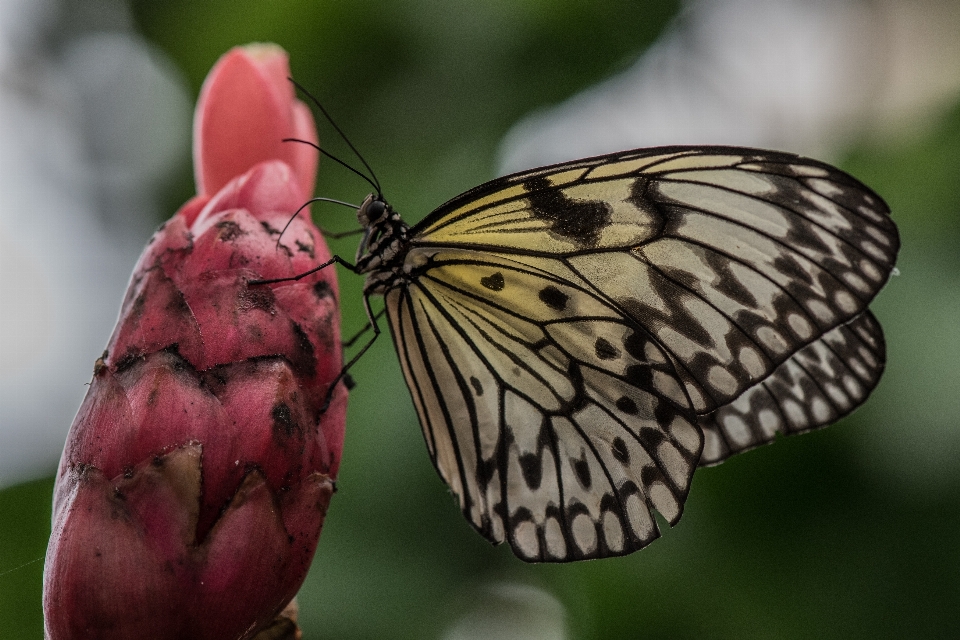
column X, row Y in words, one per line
column 807, row 76
column 92, row 121
column 813, row 77
column 510, row 611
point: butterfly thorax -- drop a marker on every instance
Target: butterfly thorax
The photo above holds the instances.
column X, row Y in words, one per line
column 384, row 245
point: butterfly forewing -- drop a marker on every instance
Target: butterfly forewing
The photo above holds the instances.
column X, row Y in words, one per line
column 574, row 336
column 732, row 258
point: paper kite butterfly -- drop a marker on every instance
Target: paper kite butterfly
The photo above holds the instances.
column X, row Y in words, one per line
column 578, row 338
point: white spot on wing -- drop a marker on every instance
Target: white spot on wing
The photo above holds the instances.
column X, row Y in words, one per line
column 612, row 532
column 584, row 533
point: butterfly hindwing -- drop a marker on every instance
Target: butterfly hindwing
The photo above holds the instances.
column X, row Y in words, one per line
column 557, row 422
column 817, row 386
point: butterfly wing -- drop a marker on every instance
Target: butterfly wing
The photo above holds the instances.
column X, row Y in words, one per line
column 818, row 385
column 552, row 438
column 563, row 329
column 733, row 259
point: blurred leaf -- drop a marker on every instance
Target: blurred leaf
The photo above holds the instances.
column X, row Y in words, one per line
column 24, row 529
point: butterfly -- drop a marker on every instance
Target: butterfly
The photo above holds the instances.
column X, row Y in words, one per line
column 579, row 338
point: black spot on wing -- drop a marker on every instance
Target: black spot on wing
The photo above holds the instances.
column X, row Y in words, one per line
column 494, row 282
column 664, row 412
column 532, row 467
column 635, row 344
column 574, row 220
column 582, row 469
column 650, row 438
column 620, row 451
column 649, row 475
column 605, row 350
column 477, row 387
column 639, row 375
column 627, row 405
column 554, row 298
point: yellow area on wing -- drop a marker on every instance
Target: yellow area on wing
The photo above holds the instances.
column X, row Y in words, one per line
column 516, row 225
column 490, row 199
column 742, row 181
column 509, row 225
column 565, row 177
column 696, row 161
column 624, row 167
column 514, row 286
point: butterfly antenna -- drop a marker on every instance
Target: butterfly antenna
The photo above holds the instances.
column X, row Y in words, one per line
column 375, row 182
column 304, row 206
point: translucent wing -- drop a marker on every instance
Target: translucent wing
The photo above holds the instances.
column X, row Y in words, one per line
column 558, row 422
column 817, row 386
column 732, row 259
column 576, row 336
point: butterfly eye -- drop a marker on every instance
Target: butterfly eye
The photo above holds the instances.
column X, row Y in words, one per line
column 371, row 211
column 375, row 210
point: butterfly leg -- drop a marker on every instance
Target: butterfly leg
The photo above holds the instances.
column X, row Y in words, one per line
column 347, row 379
column 349, row 343
column 372, row 318
column 334, row 259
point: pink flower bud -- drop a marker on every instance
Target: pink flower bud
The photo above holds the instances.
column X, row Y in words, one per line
column 196, row 475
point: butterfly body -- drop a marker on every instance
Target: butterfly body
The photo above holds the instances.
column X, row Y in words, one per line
column 577, row 339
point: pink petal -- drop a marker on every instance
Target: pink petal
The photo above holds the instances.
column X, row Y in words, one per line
column 244, row 112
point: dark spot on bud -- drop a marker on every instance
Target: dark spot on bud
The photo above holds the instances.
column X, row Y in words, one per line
column 283, row 419
column 477, row 387
column 269, row 228
column 228, row 230
column 532, row 469
column 554, row 298
column 255, row 298
column 127, row 471
column 305, row 248
column 493, row 282
column 322, row 290
column 605, row 350
column 128, row 361
column 303, row 360
column 620, row 451
column 627, row 405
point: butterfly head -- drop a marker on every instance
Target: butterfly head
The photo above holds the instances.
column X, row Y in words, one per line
column 373, row 211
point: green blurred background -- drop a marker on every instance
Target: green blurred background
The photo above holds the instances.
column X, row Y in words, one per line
column 850, row 532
